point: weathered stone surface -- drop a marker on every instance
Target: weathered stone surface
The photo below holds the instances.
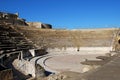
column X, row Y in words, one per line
column 57, row 77
column 39, row 71
column 25, row 67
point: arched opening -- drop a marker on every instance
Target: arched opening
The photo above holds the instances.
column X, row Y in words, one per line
column 119, row 41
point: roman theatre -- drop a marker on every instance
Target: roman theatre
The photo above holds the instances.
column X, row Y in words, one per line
column 37, row 51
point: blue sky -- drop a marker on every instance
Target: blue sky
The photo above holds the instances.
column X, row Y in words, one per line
column 69, row 14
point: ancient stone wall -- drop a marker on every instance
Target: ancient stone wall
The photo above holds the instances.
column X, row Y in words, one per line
column 39, row 25
column 35, row 24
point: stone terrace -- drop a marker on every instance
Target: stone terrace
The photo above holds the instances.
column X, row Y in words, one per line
column 69, row 38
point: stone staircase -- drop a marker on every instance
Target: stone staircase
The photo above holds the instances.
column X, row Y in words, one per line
column 11, row 40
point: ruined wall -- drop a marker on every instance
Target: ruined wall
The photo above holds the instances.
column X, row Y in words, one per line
column 13, row 19
column 4, row 15
column 35, row 24
column 39, row 25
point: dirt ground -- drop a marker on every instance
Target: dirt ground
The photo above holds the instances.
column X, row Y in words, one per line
column 69, row 62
